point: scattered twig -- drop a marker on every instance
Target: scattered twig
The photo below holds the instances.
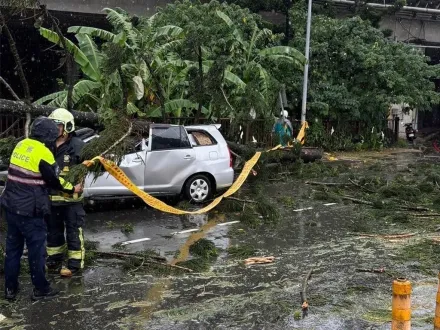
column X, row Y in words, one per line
column 415, row 208
column 425, row 215
column 143, row 259
column 9, row 88
column 137, row 268
column 403, row 207
column 10, row 127
column 69, row 58
column 171, row 266
column 241, row 200
column 226, row 99
column 121, row 254
column 235, row 154
column 372, row 270
column 376, row 271
column 19, row 65
column 120, row 140
column 357, row 201
column 396, row 236
column 360, row 186
column 303, row 294
column 314, row 183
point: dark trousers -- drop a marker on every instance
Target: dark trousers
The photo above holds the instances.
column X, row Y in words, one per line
column 68, row 218
column 33, row 231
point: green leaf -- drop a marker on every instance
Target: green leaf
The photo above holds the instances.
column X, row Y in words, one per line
column 153, row 112
column 58, row 101
column 77, row 54
column 230, row 23
column 264, row 81
column 177, row 104
column 93, row 32
column 89, row 48
column 173, row 105
column 233, row 78
column 50, row 97
column 139, row 88
column 225, row 18
column 169, row 46
column 168, row 31
column 121, row 22
column 132, row 109
column 284, row 50
column 80, row 89
column 286, row 58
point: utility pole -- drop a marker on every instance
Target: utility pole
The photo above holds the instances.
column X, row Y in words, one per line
column 288, row 5
column 306, row 67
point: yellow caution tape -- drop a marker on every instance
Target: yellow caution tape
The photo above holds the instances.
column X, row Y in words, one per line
column 119, row 175
column 302, row 133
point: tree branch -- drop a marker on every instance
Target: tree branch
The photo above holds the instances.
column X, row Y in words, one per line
column 17, row 59
column 24, row 83
column 69, row 58
column 19, row 109
column 158, row 86
column 199, row 110
column 120, row 140
column 9, row 88
column 226, row 99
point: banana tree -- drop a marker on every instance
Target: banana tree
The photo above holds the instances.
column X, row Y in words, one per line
column 88, row 58
column 258, row 68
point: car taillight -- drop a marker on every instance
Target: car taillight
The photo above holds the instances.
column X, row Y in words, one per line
column 230, row 158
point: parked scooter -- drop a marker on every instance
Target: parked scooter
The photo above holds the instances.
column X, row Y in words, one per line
column 410, row 133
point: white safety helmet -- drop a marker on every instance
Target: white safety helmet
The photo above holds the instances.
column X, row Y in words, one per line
column 284, row 114
column 64, row 117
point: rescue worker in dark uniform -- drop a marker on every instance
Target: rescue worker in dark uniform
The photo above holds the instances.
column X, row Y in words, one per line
column 67, row 210
column 25, row 201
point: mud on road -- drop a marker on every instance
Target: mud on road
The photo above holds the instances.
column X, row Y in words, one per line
column 334, row 238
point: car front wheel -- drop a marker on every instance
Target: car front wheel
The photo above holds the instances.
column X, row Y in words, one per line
column 198, row 189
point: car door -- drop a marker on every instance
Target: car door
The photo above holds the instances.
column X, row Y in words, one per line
column 169, row 161
column 133, row 165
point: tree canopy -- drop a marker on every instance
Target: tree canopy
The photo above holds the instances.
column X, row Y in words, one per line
column 218, row 61
column 356, row 73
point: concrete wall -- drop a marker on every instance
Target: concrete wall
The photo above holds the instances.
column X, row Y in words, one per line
column 138, row 7
column 405, row 29
column 405, row 118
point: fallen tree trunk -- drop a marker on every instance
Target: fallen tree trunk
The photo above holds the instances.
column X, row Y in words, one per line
column 19, row 109
column 286, row 156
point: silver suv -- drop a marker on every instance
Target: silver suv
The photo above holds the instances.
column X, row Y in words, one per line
column 193, row 161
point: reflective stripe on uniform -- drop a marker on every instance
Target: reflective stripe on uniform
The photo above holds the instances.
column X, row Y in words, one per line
column 54, row 250
column 79, row 255
column 35, row 175
column 57, row 198
column 31, row 182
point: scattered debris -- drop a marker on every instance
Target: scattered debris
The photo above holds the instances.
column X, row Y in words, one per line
column 259, row 260
column 372, row 270
column 185, row 231
column 303, row 294
column 228, row 223
column 396, row 236
column 241, row 252
column 304, row 209
column 136, row 241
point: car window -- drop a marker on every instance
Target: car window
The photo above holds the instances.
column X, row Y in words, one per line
column 200, row 138
column 173, row 137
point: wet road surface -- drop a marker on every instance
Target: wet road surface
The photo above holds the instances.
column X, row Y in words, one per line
column 231, row 295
